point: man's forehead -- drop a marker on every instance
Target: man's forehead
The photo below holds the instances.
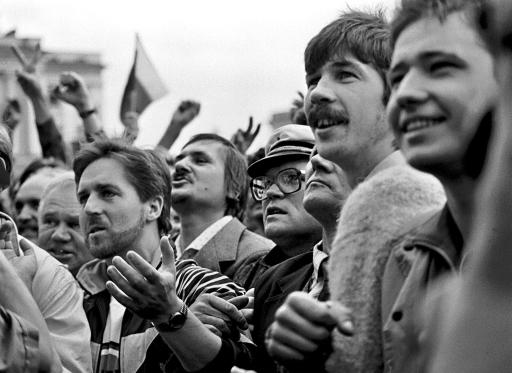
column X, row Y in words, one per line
column 208, row 147
column 429, row 36
column 61, row 196
column 298, row 164
column 102, row 171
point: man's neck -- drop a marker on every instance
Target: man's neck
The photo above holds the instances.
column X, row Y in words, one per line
column 146, row 244
column 193, row 224
column 358, row 168
column 460, row 195
column 328, row 239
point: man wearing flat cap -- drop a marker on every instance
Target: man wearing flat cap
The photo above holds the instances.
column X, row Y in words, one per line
column 278, row 181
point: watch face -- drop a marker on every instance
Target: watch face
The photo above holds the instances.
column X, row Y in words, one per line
column 177, row 320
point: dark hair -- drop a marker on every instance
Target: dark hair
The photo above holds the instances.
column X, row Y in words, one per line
column 411, row 11
column 364, row 35
column 235, row 174
column 144, row 169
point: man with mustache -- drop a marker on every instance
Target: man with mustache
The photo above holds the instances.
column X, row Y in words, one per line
column 209, row 194
column 346, row 65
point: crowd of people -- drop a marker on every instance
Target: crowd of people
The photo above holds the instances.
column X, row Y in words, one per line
column 369, row 235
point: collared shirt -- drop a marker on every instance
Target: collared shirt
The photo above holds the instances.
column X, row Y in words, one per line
column 204, row 237
column 319, row 276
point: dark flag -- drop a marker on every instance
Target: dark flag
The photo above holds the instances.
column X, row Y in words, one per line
column 144, row 85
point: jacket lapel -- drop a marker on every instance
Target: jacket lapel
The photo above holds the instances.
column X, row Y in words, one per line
column 223, row 247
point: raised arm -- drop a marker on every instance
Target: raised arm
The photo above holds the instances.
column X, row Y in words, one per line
column 73, row 90
column 184, row 114
column 49, row 136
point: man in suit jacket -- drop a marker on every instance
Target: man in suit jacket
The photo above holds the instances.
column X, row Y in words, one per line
column 209, row 193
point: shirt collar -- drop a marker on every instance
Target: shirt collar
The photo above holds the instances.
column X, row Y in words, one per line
column 318, row 257
column 205, row 236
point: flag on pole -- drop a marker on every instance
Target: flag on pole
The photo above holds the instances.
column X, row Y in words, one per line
column 144, row 85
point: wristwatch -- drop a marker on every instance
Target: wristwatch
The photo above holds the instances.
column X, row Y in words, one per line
column 175, row 321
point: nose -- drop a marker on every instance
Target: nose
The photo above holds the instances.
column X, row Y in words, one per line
column 321, row 164
column 92, row 206
column 181, row 165
column 411, row 90
column 61, row 233
column 27, row 213
column 322, row 92
column 274, row 192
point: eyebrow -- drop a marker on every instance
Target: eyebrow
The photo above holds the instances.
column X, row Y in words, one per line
column 426, row 56
column 193, row 153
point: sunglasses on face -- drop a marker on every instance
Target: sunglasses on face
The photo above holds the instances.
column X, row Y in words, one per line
column 288, row 181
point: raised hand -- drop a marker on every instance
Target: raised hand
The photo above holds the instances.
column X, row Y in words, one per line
column 20, row 255
column 243, row 139
column 302, row 328
column 26, row 77
column 148, row 292
column 186, row 111
column 73, row 90
column 131, row 123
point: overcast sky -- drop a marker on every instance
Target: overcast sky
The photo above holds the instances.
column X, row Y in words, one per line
column 238, row 58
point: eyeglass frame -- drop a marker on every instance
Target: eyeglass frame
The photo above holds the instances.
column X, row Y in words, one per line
column 300, row 173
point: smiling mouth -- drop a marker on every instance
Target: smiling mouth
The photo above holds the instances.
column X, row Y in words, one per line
column 327, row 123
column 419, row 124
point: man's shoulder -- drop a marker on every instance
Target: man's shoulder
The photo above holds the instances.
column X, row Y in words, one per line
column 254, row 243
column 289, row 266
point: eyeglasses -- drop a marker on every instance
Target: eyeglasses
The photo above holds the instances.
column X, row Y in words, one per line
column 288, row 181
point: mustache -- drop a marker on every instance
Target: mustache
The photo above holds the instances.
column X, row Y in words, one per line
column 318, row 112
column 180, row 173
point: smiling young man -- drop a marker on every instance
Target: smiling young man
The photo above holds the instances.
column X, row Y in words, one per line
column 209, row 193
column 443, row 86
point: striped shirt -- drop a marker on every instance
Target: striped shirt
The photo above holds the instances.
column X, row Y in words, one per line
column 139, row 348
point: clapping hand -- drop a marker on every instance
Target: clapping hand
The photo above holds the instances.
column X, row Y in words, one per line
column 148, row 292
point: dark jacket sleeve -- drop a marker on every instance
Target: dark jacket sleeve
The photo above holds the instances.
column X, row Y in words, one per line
column 51, row 140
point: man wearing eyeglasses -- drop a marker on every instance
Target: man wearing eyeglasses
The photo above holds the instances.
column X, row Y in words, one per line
column 278, row 182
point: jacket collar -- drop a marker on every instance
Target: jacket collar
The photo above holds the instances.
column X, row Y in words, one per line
column 440, row 234
column 222, row 247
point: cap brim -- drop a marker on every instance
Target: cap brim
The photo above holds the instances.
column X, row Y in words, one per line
column 259, row 167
